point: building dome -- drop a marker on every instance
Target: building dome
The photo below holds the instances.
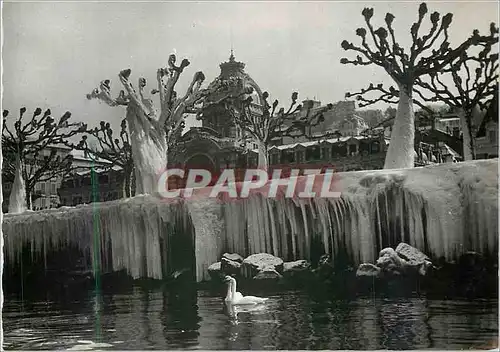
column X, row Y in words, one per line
column 233, row 76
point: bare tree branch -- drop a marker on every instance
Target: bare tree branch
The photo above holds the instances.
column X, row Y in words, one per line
column 30, row 141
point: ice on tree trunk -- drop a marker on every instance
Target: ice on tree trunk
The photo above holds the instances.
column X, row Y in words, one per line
column 149, row 150
column 401, row 154
column 17, row 198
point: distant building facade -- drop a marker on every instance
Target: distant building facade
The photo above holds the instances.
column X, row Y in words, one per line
column 349, row 153
column 45, row 194
column 343, row 141
column 79, row 188
column 218, row 143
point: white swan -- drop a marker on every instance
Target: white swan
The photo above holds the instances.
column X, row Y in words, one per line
column 236, row 298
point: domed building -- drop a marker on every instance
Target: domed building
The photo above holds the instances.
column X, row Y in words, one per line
column 219, row 143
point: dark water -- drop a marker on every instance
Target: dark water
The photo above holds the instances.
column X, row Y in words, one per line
column 159, row 319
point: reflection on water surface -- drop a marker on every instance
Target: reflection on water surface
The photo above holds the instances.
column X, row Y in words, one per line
column 140, row 319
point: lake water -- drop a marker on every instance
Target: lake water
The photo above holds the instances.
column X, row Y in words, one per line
column 197, row 319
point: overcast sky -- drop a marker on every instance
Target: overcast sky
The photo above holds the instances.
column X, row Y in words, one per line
column 55, row 53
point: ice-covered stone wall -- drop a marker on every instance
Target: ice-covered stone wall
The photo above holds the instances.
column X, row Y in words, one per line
column 443, row 210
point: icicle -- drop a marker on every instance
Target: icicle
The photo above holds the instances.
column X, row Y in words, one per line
column 274, row 237
column 307, row 239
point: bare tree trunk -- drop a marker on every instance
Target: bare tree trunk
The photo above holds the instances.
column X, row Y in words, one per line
column 29, row 202
column 401, row 151
column 127, row 182
column 467, row 135
column 17, row 199
column 263, row 157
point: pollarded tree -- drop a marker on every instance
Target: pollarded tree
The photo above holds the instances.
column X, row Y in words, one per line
column 30, row 155
column 263, row 123
column 150, row 131
column 424, row 57
column 117, row 151
column 475, row 81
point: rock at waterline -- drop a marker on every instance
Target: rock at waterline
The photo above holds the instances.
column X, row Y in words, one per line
column 296, row 268
column 298, row 265
column 325, row 268
column 471, row 261
column 390, row 262
column 215, row 271
column 414, row 259
column 368, row 270
column 234, row 257
column 404, row 260
column 256, row 263
column 409, row 253
column 268, row 273
column 230, row 267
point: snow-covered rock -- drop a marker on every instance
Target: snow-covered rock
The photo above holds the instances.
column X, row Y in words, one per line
column 230, row 267
column 390, row 262
column 215, row 271
column 268, row 273
column 235, row 257
column 296, row 268
column 404, row 260
column 256, row 263
column 409, row 253
column 368, row 270
column 414, row 259
column 298, row 265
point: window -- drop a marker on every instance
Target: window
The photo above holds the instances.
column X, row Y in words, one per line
column 339, row 150
column 326, row 152
column 274, row 159
column 492, row 136
column 287, row 157
column 300, row 156
column 232, row 132
column 53, row 188
column 103, row 179
column 313, row 153
column 352, row 149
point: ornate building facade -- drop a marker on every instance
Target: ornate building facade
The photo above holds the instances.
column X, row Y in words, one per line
column 218, row 144
column 339, row 142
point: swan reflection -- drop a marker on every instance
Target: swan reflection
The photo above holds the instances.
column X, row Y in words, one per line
column 233, row 310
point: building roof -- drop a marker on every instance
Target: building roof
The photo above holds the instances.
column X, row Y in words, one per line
column 446, row 119
column 450, row 151
column 98, row 170
column 318, row 142
column 82, row 156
